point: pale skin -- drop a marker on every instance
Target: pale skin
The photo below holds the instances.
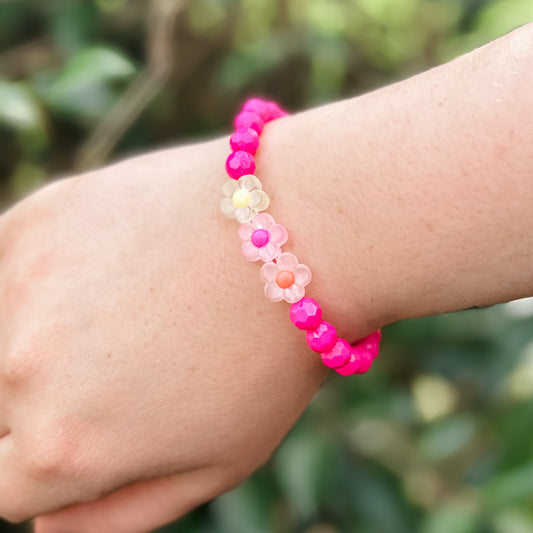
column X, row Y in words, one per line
column 143, row 372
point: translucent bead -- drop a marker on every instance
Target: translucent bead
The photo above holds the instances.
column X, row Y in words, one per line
column 239, row 164
column 243, row 198
column 338, row 355
column 306, row 314
column 277, row 276
column 249, row 119
column 285, row 279
column 262, row 238
column 245, row 139
column 322, row 338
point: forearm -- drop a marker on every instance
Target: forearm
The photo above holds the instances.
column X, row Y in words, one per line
column 414, row 199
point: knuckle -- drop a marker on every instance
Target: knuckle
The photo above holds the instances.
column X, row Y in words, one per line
column 59, row 451
column 21, row 363
column 43, row 462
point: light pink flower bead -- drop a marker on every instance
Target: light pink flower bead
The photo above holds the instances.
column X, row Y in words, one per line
column 262, row 238
column 285, row 279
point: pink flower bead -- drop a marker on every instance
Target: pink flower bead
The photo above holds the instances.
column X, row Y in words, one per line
column 246, row 140
column 262, row 238
column 306, row 314
column 285, row 279
column 338, row 355
column 239, row 164
column 249, row 119
column 322, row 338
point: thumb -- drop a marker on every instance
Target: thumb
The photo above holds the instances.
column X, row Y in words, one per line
column 138, row 508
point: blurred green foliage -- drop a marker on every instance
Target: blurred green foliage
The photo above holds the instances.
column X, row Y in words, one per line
column 436, row 438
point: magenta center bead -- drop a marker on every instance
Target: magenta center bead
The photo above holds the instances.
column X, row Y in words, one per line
column 260, row 238
column 306, row 314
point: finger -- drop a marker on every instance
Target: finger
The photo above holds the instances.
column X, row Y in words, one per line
column 138, row 508
column 12, row 489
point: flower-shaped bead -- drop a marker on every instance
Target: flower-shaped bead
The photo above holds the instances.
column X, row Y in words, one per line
column 243, row 198
column 285, row 279
column 262, row 238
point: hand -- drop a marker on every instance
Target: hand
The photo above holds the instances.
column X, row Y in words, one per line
column 142, row 372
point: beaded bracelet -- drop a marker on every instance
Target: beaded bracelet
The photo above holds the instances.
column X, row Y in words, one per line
column 285, row 278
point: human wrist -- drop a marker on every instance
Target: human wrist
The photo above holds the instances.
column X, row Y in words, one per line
column 302, row 197
column 395, row 197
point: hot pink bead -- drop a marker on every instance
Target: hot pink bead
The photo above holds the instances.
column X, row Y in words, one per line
column 338, row 355
column 245, row 139
column 273, row 111
column 260, row 238
column 306, row 314
column 256, row 105
column 322, row 338
column 370, row 343
column 239, row 164
column 249, row 119
column 358, row 363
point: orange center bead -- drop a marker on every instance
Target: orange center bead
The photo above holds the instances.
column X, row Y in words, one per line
column 284, row 279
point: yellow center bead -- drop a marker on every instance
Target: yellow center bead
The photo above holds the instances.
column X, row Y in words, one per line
column 241, row 198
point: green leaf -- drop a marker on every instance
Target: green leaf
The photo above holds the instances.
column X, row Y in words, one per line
column 25, row 179
column 452, row 518
column 300, row 465
column 511, row 488
column 19, row 108
column 85, row 88
column 513, row 521
column 502, row 16
column 447, row 437
column 91, row 66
